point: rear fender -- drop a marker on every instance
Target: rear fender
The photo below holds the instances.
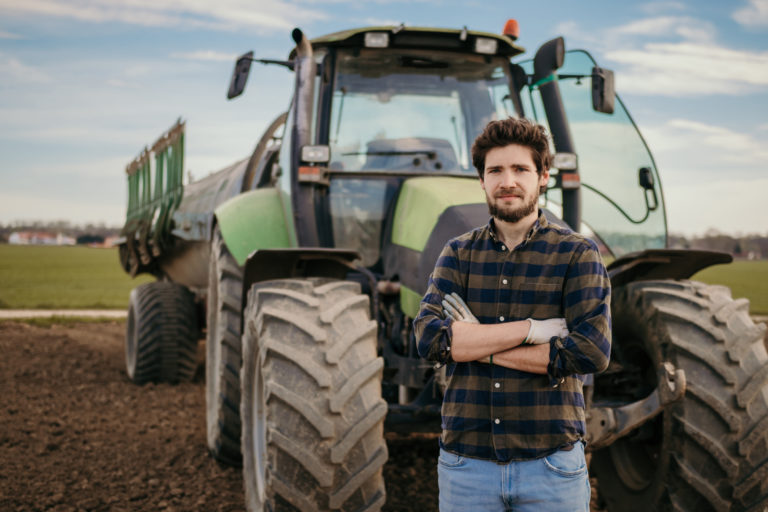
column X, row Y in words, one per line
column 663, row 264
column 259, row 219
column 268, row 264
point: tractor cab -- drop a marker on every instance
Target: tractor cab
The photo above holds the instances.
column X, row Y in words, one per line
column 374, row 108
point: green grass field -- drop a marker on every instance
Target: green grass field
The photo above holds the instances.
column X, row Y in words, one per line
column 745, row 279
column 39, row 277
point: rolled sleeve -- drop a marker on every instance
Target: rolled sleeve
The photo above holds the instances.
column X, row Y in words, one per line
column 586, row 304
column 433, row 332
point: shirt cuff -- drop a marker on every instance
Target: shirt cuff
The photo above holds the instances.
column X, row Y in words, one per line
column 444, row 343
column 554, row 368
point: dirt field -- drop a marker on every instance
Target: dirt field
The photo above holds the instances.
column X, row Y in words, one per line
column 76, row 435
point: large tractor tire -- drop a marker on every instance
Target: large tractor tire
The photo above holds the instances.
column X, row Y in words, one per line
column 312, row 410
column 708, row 451
column 161, row 334
column 223, row 358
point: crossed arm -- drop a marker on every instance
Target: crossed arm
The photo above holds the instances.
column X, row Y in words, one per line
column 521, row 345
column 582, row 349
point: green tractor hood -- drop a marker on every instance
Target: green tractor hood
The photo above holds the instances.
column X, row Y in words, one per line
column 429, row 212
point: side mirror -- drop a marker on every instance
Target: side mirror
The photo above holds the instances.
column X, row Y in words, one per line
column 240, row 75
column 603, row 93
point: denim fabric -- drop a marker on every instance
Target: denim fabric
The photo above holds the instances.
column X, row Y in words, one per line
column 556, row 483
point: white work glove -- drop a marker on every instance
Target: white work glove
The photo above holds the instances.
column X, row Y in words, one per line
column 541, row 331
column 454, row 307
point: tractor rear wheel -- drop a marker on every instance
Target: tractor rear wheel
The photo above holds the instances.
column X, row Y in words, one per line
column 709, row 451
column 312, row 412
column 222, row 361
column 161, row 333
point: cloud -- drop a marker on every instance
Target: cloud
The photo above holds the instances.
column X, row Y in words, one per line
column 679, row 69
column 220, row 15
column 673, row 56
column 13, row 70
column 380, row 22
column 206, row 55
column 708, row 147
column 685, row 27
column 659, row 7
column 755, row 14
column 8, row 35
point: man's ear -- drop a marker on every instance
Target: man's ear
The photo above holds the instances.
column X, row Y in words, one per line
column 544, row 177
column 482, row 184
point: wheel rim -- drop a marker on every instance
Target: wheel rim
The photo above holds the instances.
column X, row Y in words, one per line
column 130, row 344
column 636, row 461
column 259, row 432
column 636, row 465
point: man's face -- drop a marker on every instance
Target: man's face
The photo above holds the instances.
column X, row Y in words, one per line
column 511, row 183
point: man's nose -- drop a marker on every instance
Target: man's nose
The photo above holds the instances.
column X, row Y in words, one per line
column 508, row 179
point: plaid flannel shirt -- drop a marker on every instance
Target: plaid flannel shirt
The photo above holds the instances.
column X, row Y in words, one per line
column 495, row 413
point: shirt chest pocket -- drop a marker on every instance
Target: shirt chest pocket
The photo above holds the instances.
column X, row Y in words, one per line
column 538, row 299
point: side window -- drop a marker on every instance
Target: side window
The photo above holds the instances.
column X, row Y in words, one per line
column 615, row 206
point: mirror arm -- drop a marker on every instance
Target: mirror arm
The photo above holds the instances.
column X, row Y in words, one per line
column 286, row 63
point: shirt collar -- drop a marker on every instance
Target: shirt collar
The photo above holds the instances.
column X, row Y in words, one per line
column 541, row 223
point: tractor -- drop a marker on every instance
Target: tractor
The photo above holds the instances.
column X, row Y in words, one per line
column 305, row 264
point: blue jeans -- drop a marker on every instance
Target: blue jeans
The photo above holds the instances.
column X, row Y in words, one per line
column 556, row 483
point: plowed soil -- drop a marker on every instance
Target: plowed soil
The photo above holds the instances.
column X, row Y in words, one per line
column 76, row 435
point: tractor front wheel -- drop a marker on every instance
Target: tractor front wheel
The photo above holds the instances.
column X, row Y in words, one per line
column 311, row 410
column 709, row 451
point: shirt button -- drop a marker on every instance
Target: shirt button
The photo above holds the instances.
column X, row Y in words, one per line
column 497, row 421
column 504, row 281
column 497, row 385
column 501, row 319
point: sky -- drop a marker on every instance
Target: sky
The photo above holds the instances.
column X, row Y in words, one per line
column 86, row 84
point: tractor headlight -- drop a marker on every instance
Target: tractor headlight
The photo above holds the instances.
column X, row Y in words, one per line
column 486, row 45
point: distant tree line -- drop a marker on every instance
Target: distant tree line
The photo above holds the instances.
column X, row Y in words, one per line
column 746, row 246
column 83, row 233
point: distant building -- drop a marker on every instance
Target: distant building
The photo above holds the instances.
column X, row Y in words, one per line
column 39, row 238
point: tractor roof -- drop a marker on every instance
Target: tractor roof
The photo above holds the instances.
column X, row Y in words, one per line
column 420, row 38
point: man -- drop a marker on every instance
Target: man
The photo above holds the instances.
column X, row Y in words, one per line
column 519, row 310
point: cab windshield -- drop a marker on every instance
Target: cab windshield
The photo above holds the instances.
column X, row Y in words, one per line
column 413, row 111
column 400, row 113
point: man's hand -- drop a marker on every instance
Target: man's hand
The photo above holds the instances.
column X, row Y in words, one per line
column 541, row 331
column 455, row 307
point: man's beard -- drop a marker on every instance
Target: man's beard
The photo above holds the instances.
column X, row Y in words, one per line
column 511, row 214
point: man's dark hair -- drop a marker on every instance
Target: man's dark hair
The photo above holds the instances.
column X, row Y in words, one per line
column 513, row 131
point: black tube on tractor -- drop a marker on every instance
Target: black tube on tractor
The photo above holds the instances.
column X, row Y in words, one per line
column 303, row 193
column 549, row 58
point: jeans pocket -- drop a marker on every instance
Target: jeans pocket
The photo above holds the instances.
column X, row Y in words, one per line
column 567, row 463
column 450, row 460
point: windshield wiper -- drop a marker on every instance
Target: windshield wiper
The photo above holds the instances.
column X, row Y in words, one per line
column 430, row 154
